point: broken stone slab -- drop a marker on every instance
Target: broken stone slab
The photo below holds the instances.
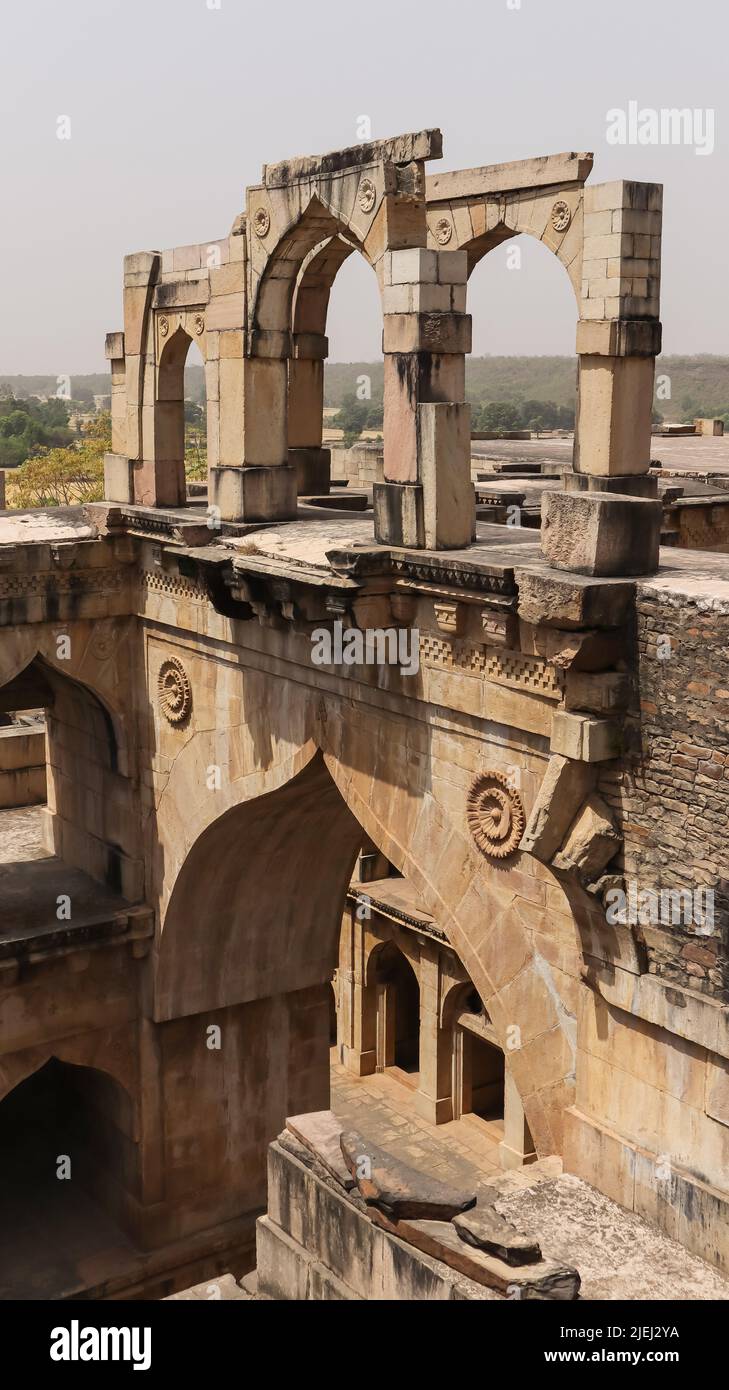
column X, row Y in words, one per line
column 399, row 1190
column 483, row 1229
column 544, row 1281
column 591, row 841
column 320, row 1132
column 564, row 787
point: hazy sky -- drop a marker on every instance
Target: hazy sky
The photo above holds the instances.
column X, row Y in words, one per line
column 174, row 107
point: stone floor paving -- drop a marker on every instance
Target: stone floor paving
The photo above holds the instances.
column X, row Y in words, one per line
column 464, row 1152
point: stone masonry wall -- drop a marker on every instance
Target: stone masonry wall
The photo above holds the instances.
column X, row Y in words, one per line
column 672, row 792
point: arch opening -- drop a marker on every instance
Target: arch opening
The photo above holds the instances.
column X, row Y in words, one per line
column 522, row 377
column 180, row 410
column 67, row 1156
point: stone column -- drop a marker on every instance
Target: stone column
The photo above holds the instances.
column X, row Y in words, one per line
column 358, row 1027
column 386, row 1021
column 618, row 337
column 433, row 1099
column 118, row 484
column 427, row 499
column 305, row 413
column 517, row 1146
column 157, row 480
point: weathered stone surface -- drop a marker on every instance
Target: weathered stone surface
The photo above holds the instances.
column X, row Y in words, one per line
column 542, row 1281
column 599, row 533
column 485, row 1230
column 601, row 692
column 585, row 737
column 591, row 840
column 321, row 1132
column 400, row 1191
column 564, row 787
column 556, row 600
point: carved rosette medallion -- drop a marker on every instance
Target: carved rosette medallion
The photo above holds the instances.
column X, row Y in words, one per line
column 199, row 323
column 367, row 195
column 164, row 327
column 561, row 216
column 261, row 222
column 174, row 692
column 443, row 231
column 495, row 815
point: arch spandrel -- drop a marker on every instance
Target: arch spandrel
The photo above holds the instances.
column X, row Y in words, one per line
column 278, row 849
column 554, row 217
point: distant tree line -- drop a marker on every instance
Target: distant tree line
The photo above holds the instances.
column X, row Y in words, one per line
column 28, row 427
column 522, row 415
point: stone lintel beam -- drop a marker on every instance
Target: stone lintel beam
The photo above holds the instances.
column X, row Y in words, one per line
column 181, row 294
column 400, row 149
column 506, row 178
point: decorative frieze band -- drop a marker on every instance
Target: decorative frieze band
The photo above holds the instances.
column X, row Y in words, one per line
column 509, row 668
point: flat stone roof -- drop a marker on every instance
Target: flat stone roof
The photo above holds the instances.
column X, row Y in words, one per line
column 46, row 524
column 693, row 453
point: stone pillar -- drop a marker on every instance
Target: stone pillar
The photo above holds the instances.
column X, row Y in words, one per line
column 157, row 480
column 305, row 413
column 386, row 1022
column 118, row 481
column 618, row 337
column 427, row 499
column 433, row 1099
column 517, row 1146
column 358, row 1025
column 253, row 480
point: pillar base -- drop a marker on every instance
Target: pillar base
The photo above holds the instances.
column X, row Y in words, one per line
column 515, row 1158
column 359, row 1063
column 399, row 514
column 436, row 1112
column 252, row 493
column 626, row 484
column 601, row 534
column 118, row 479
column 313, row 468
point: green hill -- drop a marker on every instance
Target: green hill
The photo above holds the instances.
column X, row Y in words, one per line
column 699, row 385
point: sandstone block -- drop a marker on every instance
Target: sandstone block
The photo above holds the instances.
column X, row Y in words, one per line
column 449, row 504
column 398, row 509
column 254, row 494
column 591, row 840
column 437, row 332
column 118, row 478
column 412, row 267
column 600, row 533
column 561, row 601
column 585, row 737
column 598, row 692
column 564, row 787
column 114, row 347
column 313, row 470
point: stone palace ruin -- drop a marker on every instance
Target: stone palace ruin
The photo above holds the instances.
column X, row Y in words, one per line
column 534, row 819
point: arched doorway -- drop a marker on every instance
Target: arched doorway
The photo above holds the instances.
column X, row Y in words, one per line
column 66, row 1158
column 180, row 412
column 398, row 1013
